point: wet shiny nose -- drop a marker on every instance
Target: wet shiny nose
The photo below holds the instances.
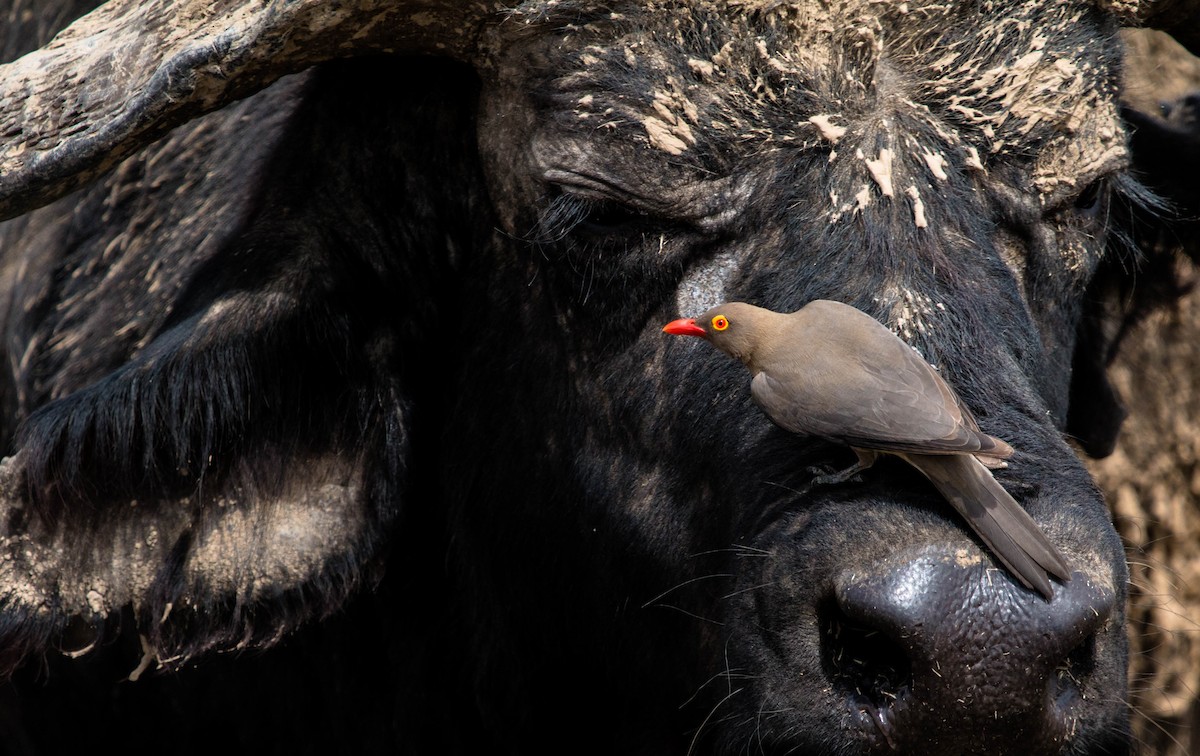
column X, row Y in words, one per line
column 946, row 651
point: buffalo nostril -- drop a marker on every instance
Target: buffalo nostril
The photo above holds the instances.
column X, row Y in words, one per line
column 1073, row 673
column 940, row 643
column 866, row 666
column 862, row 660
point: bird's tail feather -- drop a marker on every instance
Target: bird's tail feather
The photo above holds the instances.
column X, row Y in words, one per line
column 1003, row 524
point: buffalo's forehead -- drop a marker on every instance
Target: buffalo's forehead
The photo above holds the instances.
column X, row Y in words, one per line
column 923, row 117
column 701, row 81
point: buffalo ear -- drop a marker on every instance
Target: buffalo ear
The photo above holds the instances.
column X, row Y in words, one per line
column 1096, row 412
column 1122, row 295
column 167, row 487
column 1153, row 234
column 123, row 75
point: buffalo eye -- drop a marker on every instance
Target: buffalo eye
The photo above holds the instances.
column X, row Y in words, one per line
column 612, row 218
column 594, row 220
column 1091, row 199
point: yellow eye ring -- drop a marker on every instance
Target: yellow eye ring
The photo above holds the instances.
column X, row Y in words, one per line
column 720, row 323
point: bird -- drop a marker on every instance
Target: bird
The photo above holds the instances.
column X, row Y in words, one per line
column 830, row 370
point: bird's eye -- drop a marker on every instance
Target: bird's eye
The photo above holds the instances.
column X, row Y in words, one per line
column 720, row 323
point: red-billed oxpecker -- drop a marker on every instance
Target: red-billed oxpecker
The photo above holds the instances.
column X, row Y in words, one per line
column 831, row 371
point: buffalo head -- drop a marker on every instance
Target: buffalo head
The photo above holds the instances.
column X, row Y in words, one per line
column 393, row 321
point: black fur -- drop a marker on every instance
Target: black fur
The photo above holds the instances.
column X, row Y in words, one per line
column 346, row 327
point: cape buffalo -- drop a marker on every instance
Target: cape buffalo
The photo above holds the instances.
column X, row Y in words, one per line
column 334, row 327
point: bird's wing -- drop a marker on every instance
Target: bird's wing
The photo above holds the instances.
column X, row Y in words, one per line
column 903, row 406
column 942, row 407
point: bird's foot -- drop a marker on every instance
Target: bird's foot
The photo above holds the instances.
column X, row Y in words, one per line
column 834, row 478
column 821, row 476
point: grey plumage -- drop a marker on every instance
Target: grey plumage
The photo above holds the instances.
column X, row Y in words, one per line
column 831, row 371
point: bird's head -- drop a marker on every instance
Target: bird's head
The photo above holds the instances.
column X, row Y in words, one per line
column 734, row 327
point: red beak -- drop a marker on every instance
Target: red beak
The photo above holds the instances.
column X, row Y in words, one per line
column 685, row 327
